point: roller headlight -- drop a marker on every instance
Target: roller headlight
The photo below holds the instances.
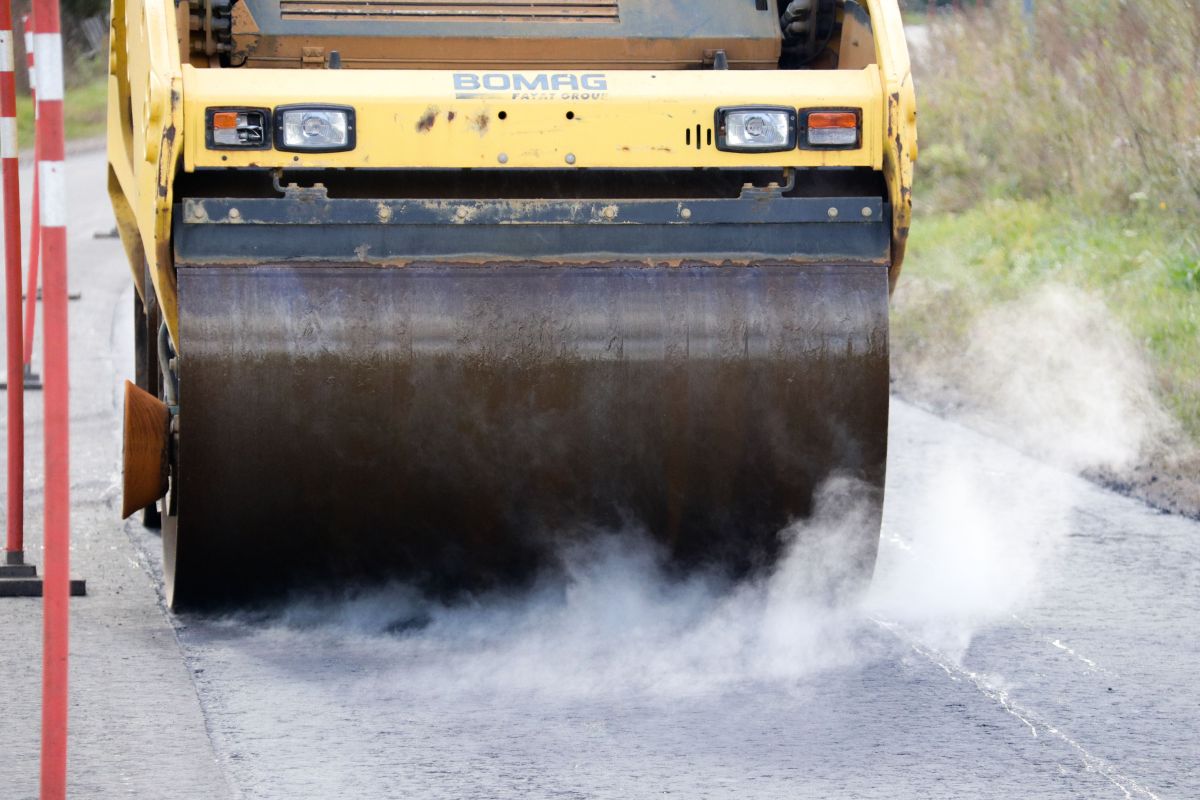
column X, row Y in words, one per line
column 314, row 129
column 756, row 129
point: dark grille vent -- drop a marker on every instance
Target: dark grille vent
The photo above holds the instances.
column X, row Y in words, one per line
column 698, row 136
column 453, row 10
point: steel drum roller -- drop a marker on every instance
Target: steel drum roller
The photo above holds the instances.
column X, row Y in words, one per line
column 453, row 424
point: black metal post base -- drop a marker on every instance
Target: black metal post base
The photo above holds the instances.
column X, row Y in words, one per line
column 18, row 579
column 32, row 381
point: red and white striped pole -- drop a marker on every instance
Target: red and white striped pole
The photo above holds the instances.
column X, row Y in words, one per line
column 47, row 46
column 14, row 554
column 35, row 228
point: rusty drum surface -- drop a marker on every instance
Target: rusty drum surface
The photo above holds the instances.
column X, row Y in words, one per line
column 453, row 424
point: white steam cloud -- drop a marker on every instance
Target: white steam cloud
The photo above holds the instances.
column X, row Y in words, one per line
column 1053, row 375
column 972, row 543
column 613, row 622
column 971, row 530
column 1062, row 379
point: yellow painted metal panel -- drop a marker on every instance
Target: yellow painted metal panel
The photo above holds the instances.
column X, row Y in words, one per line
column 620, row 119
column 413, row 119
column 144, row 117
column 900, row 140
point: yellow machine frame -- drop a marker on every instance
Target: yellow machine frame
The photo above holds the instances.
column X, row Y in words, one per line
column 413, row 118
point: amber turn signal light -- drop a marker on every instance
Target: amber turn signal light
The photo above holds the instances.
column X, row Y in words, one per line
column 830, row 129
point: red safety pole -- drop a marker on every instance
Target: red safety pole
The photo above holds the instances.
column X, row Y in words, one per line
column 47, row 45
column 14, row 554
column 35, row 228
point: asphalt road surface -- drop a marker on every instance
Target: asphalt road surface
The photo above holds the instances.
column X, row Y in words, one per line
column 1027, row 635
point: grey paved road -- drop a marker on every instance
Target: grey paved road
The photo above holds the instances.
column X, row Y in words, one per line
column 136, row 723
column 1028, row 635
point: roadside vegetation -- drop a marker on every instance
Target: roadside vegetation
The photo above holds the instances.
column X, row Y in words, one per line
column 85, row 51
column 84, row 110
column 1062, row 148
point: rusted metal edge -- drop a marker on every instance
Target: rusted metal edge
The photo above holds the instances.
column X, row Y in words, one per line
column 309, row 206
column 400, row 232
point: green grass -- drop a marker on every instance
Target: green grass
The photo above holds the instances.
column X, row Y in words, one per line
column 84, row 110
column 1145, row 265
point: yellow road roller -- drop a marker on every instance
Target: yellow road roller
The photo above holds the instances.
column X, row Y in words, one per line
column 428, row 288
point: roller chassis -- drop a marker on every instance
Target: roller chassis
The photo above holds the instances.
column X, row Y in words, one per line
column 445, row 388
